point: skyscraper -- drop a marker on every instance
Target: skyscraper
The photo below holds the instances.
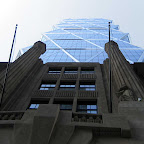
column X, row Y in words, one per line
column 83, row 40
column 58, row 92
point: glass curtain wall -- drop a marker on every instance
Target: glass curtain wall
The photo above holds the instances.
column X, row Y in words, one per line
column 83, row 40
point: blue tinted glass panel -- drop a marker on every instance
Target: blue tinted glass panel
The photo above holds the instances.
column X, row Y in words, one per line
column 69, row 26
column 79, row 31
column 26, row 49
column 74, row 44
column 50, row 45
column 57, row 31
column 126, row 39
column 99, row 42
column 92, row 36
column 61, row 36
column 55, row 56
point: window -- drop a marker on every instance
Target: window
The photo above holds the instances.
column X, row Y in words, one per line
column 35, row 103
column 70, row 71
column 34, row 106
column 64, row 104
column 54, row 70
column 87, row 107
column 87, row 70
column 48, row 86
column 87, row 86
column 67, row 86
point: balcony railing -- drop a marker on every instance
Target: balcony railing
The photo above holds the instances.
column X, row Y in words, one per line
column 11, row 115
column 85, row 117
column 88, row 76
column 43, row 93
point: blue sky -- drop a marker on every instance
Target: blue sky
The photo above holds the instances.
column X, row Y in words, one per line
column 37, row 16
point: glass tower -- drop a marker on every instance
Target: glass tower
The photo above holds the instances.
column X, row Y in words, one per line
column 83, row 40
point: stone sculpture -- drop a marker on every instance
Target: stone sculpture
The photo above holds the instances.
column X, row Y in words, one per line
column 125, row 94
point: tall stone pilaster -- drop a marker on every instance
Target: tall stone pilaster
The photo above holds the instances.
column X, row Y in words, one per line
column 126, row 81
column 19, row 69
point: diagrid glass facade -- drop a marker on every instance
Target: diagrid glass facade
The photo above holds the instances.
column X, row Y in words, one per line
column 83, row 40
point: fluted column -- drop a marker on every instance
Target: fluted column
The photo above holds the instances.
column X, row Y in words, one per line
column 123, row 73
column 20, row 68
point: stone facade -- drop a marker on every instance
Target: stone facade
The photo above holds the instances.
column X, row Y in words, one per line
column 32, row 82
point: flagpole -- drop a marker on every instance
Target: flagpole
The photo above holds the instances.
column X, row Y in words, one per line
column 110, row 88
column 7, row 69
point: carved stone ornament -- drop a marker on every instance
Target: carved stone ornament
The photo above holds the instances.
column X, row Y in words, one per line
column 125, row 94
column 98, row 120
column 76, row 118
